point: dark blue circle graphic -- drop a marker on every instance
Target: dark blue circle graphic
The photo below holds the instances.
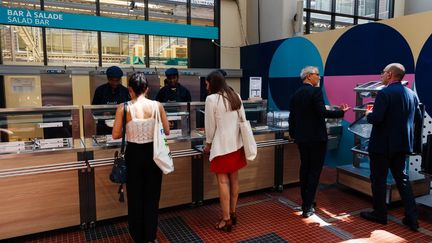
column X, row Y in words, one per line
column 423, row 82
column 366, row 49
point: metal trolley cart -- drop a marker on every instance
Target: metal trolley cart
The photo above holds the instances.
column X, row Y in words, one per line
column 356, row 175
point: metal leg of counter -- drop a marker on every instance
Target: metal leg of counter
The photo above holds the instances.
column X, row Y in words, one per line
column 197, row 177
column 87, row 193
column 279, row 164
column 279, row 168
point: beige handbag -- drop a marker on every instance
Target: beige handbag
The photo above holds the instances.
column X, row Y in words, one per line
column 161, row 152
column 248, row 138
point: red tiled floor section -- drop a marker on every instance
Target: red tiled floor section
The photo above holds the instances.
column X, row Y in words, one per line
column 265, row 212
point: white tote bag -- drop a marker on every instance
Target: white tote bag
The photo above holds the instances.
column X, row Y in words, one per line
column 161, row 151
column 249, row 144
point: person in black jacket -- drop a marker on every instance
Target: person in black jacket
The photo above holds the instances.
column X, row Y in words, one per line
column 392, row 138
column 308, row 129
column 111, row 93
column 173, row 91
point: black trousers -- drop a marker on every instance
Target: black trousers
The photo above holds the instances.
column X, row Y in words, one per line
column 312, row 156
column 379, row 166
column 143, row 192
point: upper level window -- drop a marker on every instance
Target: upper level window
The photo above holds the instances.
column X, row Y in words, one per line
column 321, row 15
column 71, row 47
column 71, row 6
column 173, row 11
column 122, row 9
column 202, row 12
column 345, row 6
column 21, row 45
column 168, row 51
column 28, row 4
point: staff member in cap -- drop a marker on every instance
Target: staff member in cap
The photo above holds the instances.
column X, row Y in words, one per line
column 173, row 91
column 113, row 92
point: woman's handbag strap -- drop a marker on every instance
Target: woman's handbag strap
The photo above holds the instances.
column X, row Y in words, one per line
column 124, row 128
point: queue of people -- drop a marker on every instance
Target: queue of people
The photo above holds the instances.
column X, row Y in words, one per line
column 391, row 140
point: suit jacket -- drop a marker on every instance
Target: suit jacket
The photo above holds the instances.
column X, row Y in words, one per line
column 393, row 115
column 307, row 115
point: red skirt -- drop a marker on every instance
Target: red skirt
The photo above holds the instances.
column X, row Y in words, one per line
column 228, row 163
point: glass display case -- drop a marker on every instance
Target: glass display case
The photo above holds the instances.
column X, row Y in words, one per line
column 38, row 128
column 100, row 148
column 41, row 160
column 179, row 119
column 256, row 113
column 99, row 120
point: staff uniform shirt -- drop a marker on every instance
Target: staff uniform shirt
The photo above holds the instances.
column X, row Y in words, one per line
column 178, row 94
column 105, row 95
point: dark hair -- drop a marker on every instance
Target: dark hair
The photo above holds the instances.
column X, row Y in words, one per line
column 222, row 72
column 138, row 83
column 218, row 85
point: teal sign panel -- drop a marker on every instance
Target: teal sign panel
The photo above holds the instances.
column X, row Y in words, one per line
column 37, row 18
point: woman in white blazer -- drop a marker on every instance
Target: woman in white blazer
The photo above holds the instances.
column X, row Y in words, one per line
column 223, row 141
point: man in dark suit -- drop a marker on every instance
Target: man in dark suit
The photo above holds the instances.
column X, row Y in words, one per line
column 393, row 115
column 308, row 128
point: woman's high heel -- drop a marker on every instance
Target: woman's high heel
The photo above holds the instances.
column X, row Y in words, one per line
column 233, row 217
column 227, row 226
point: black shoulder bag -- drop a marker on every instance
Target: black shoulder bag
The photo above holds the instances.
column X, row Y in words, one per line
column 119, row 169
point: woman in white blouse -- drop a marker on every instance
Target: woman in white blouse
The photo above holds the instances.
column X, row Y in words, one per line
column 223, row 141
column 144, row 177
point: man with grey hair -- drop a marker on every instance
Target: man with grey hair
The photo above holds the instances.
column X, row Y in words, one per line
column 308, row 70
column 308, row 129
column 395, row 109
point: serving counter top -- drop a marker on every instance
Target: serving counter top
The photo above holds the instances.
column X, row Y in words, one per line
column 70, row 145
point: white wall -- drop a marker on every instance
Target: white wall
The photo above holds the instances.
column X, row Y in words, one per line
column 417, row 6
column 232, row 35
column 270, row 20
column 399, row 8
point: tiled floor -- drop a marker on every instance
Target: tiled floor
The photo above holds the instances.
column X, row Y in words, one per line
column 266, row 217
